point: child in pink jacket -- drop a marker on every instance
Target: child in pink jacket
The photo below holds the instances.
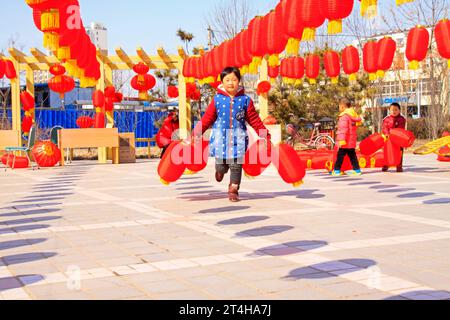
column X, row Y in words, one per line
column 347, row 138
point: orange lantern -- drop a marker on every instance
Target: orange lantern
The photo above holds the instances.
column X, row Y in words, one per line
column 291, row 169
column 417, row 46
column 332, row 65
column 312, row 71
column 311, row 17
column 370, row 55
column 442, row 34
column 351, row 62
column 46, row 154
column 335, row 11
column 171, row 167
column 386, row 53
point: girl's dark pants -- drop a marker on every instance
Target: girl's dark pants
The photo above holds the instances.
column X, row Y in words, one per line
column 232, row 165
column 351, row 153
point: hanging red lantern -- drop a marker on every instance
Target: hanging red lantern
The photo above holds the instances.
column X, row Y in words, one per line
column 335, row 11
column 244, row 50
column 118, row 97
column 2, row 68
column 110, row 91
column 15, row 162
column 369, row 8
column 402, row 138
column 417, row 46
column 257, row 159
column 57, row 70
column 10, row 70
column 298, row 67
column 312, row 66
column 284, row 68
column 109, row 103
column 332, row 65
column 351, row 62
column 386, row 53
column 196, row 95
column 291, row 169
column 172, row 92
column 98, row 100
column 85, row 122
column 273, row 72
column 188, row 69
column 61, row 84
column 99, row 120
column 311, row 17
column 190, row 89
column 143, row 86
column 27, row 101
column 392, row 154
column 196, row 156
column 171, row 167
column 371, row 144
column 292, row 24
column 370, row 55
column 27, row 123
column 263, row 87
column 46, row 154
column 258, row 38
column 141, row 68
column 276, row 38
column 442, row 34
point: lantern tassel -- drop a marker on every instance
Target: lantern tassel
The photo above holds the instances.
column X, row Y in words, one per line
column 369, row 8
column 414, row 65
column 309, row 164
column 312, row 81
column 372, row 76
column 352, row 77
column 274, row 60
column 309, row 34
column 293, row 46
column 143, row 95
column 448, row 63
column 380, row 74
column 362, row 163
column 164, row 182
column 50, row 20
column 334, row 80
column 400, row 2
column 63, row 53
column 51, row 41
column 298, row 82
column 297, row 184
column 335, row 27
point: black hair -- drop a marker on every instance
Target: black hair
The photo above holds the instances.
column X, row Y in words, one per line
column 230, row 70
column 346, row 102
column 395, row 104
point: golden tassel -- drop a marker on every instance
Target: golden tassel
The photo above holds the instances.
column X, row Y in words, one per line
column 143, row 95
column 244, row 70
column 369, row 8
column 372, row 76
column 380, row 74
column 51, row 41
column 63, row 53
column 298, row 82
column 50, row 20
column 373, row 162
column 400, row 2
column 448, row 63
column 274, row 60
column 293, row 46
column 352, row 77
column 334, row 80
column 309, row 164
column 164, row 182
column 309, row 34
column 312, row 81
column 414, row 65
column 335, row 27
column 363, row 163
column 297, row 184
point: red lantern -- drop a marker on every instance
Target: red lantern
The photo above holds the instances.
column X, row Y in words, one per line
column 311, row 17
column 392, row 154
column 372, row 144
column 27, row 123
column 291, row 169
column 99, row 120
column 386, row 52
column 85, row 122
column 442, row 32
column 57, row 70
column 27, row 100
column 118, row 97
column 140, row 68
column 276, row 38
column 110, row 91
column 172, row 92
column 196, row 95
column 257, row 159
column 351, row 62
column 244, row 50
column 98, row 100
column 2, row 68
column 335, row 11
column 188, row 70
column 143, row 86
column 196, row 156
column 312, row 68
column 190, row 89
column 171, row 167
column 46, row 154
column 298, row 67
column 61, row 85
column 258, row 36
column 402, row 138
column 109, row 103
column 332, row 65
column 274, row 72
column 19, row 162
column 263, row 87
column 292, row 24
column 417, row 46
column 370, row 54
column 10, row 70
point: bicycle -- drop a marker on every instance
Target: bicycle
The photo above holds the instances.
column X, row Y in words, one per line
column 316, row 141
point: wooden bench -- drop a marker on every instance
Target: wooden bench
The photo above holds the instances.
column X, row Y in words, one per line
column 90, row 138
column 9, row 138
column 149, row 144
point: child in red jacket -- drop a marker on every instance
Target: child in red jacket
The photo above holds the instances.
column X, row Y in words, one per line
column 347, row 138
column 165, row 135
column 393, row 121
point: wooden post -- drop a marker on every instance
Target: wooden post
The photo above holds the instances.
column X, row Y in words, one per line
column 263, row 98
column 30, row 86
column 15, row 101
column 185, row 115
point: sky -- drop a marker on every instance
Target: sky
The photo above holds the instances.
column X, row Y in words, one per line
column 130, row 23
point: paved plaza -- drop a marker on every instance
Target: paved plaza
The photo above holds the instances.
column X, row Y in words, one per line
column 89, row 231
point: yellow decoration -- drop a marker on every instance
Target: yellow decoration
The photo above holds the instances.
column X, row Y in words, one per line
column 448, row 63
column 312, row 81
column 293, row 46
column 164, row 182
column 372, row 76
column 297, row 184
column 309, row 34
column 414, row 65
column 369, row 8
column 274, row 60
column 363, row 163
column 352, row 77
column 143, row 95
column 309, row 164
column 63, row 53
column 380, row 74
column 50, row 20
column 400, row 2
column 98, row 110
column 334, row 80
column 373, row 162
column 335, row 27
column 298, row 82
column 51, row 41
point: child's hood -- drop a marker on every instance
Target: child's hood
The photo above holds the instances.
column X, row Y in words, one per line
column 352, row 114
column 221, row 90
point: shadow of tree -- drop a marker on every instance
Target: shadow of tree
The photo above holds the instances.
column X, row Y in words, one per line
column 289, row 248
column 242, row 220
column 20, row 243
column 263, row 231
column 14, row 282
column 224, row 209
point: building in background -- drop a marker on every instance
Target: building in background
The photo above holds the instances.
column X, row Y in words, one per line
column 411, row 88
column 99, row 35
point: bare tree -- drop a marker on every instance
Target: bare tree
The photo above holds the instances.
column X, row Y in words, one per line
column 228, row 18
column 186, row 37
